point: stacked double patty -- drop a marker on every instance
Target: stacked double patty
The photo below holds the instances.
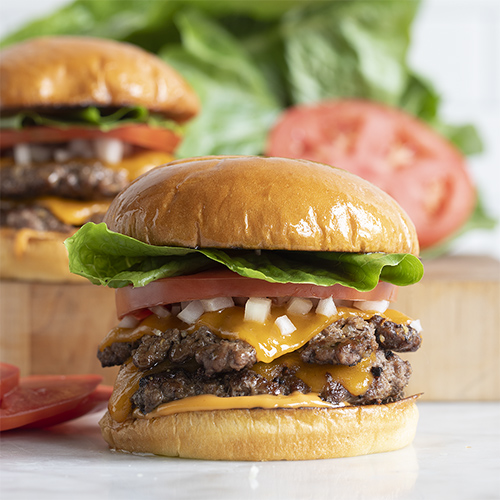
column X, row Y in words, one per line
column 77, row 179
column 187, row 363
column 80, row 118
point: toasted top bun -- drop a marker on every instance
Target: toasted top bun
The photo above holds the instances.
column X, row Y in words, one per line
column 78, row 71
column 262, row 434
column 261, row 203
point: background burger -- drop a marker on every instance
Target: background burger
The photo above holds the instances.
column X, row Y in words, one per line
column 79, row 119
column 253, row 295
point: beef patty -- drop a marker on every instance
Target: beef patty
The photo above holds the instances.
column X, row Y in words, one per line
column 75, row 180
column 193, row 363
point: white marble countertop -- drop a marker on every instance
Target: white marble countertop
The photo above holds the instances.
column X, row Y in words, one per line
column 455, row 455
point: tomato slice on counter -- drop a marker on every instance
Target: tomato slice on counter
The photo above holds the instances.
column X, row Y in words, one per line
column 391, row 149
column 225, row 283
column 155, row 138
column 43, row 400
column 9, row 378
column 96, row 401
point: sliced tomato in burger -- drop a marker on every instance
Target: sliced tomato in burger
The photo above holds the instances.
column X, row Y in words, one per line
column 225, row 283
column 391, row 149
column 9, row 378
column 43, row 400
column 155, row 138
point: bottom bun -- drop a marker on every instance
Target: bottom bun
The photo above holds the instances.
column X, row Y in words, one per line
column 29, row 255
column 258, row 434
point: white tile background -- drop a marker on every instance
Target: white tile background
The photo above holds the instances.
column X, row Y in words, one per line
column 456, row 44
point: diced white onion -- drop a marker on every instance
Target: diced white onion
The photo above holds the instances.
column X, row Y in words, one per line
column 40, row 153
column 372, row 305
column 285, row 325
column 416, row 324
column 62, row 155
column 160, row 311
column 22, row 154
column 192, row 312
column 257, row 309
column 128, row 322
column 80, row 148
column 298, row 305
column 109, row 150
column 217, row 303
column 326, row 307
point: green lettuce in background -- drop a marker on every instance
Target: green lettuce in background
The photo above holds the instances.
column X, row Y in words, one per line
column 90, row 117
column 113, row 259
column 248, row 61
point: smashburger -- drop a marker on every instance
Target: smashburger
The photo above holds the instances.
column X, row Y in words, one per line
column 254, row 300
column 79, row 119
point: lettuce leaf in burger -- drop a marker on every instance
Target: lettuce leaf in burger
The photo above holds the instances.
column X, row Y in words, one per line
column 253, row 295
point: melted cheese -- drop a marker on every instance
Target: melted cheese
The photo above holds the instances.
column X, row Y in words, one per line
column 73, row 212
column 273, row 349
column 356, row 379
column 135, row 165
column 127, row 383
column 207, row 402
column 140, row 163
column 152, row 325
column 76, row 212
column 266, row 338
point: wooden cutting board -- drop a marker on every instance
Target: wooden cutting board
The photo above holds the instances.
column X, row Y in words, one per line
column 458, row 304
column 55, row 328
column 48, row 328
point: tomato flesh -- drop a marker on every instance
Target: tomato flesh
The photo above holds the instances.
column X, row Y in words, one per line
column 225, row 283
column 9, row 378
column 44, row 397
column 157, row 139
column 95, row 401
column 386, row 146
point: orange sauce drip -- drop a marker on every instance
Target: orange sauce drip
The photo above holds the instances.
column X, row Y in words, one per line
column 207, row 402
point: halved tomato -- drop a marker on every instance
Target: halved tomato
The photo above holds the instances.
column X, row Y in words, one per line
column 155, row 138
column 47, row 398
column 395, row 151
column 9, row 378
column 225, row 283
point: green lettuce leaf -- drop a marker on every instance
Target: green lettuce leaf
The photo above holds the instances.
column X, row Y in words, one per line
column 108, row 258
column 91, row 117
column 361, row 56
column 285, row 52
column 238, row 105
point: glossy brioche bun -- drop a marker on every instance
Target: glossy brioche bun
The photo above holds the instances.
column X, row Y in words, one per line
column 261, row 203
column 257, row 434
column 29, row 255
column 70, row 71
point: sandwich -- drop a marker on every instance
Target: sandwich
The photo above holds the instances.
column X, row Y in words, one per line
column 79, row 119
column 254, row 303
